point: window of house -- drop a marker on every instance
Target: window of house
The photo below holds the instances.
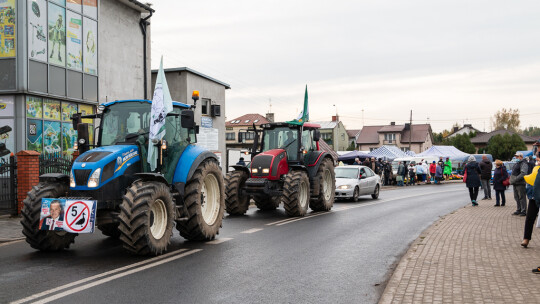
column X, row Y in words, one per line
column 390, row 137
column 230, row 136
column 404, row 149
column 249, row 136
column 205, row 106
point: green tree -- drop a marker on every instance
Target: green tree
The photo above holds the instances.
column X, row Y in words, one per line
column 532, row 131
column 463, row 143
column 351, row 147
column 507, row 119
column 503, row 147
column 437, row 138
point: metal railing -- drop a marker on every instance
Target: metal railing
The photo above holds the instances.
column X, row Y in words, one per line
column 55, row 163
column 8, row 185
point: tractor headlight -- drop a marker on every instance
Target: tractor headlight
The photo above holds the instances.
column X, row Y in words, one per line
column 254, row 170
column 93, row 181
column 71, row 179
column 265, row 170
column 344, row 187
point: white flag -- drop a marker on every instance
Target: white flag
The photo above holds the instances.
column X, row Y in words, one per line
column 161, row 106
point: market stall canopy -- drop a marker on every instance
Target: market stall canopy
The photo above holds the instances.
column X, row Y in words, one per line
column 352, row 155
column 410, row 153
column 444, row 151
column 388, row 153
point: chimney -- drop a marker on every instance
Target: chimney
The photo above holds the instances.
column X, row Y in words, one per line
column 407, row 126
column 335, row 118
column 393, row 123
column 456, row 129
column 270, row 117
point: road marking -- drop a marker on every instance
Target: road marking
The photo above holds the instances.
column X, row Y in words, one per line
column 59, row 288
column 219, row 241
column 284, row 222
column 114, row 277
column 293, row 218
column 253, row 230
column 10, row 242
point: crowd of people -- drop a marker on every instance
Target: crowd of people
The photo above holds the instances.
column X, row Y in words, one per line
column 524, row 180
column 408, row 173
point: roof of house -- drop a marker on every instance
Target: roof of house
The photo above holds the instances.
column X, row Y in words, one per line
column 138, row 6
column 247, row 120
column 469, row 126
column 370, row 134
column 326, row 124
column 185, row 69
column 484, row 138
column 352, row 133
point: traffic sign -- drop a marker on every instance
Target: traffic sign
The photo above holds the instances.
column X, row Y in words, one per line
column 79, row 216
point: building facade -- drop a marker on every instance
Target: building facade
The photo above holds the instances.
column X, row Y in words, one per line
column 417, row 138
column 210, row 108
column 334, row 134
column 60, row 57
column 482, row 140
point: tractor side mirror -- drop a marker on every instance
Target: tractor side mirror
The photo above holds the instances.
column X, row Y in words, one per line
column 76, row 120
column 188, row 119
column 316, row 135
column 83, row 137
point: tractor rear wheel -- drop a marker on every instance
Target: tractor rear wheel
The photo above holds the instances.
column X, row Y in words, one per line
column 296, row 193
column 267, row 202
column 42, row 239
column 327, row 179
column 235, row 202
column 146, row 218
column 204, row 203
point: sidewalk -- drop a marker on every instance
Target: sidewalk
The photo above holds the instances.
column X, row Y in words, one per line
column 10, row 229
column 472, row 255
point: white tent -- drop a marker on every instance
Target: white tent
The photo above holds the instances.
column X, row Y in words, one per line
column 444, row 152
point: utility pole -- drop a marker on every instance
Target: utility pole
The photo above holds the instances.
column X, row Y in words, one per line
column 410, row 132
column 362, row 118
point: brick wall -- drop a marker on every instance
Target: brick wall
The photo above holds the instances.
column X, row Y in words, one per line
column 27, row 174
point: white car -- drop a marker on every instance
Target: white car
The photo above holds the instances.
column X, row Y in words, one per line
column 354, row 181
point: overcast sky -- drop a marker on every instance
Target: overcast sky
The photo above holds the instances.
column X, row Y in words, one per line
column 447, row 61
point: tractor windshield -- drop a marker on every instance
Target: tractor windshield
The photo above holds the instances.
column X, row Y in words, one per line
column 282, row 138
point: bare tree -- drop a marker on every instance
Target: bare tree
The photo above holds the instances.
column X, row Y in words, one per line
column 506, row 119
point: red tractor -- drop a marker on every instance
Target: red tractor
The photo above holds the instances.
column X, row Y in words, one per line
column 286, row 165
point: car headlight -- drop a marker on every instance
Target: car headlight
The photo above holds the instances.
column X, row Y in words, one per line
column 93, row 181
column 71, row 179
column 344, row 187
column 254, row 170
column 265, row 170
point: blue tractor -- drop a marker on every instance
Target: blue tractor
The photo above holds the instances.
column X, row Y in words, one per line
column 135, row 204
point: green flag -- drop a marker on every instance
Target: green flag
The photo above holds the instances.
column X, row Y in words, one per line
column 304, row 115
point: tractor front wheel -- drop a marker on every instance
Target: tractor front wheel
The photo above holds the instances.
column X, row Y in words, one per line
column 235, row 202
column 327, row 179
column 146, row 218
column 204, row 203
column 42, row 239
column 296, row 193
column 267, row 202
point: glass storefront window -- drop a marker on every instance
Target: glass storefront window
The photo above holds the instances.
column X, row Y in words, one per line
column 34, row 138
column 51, row 109
column 68, row 109
column 34, row 107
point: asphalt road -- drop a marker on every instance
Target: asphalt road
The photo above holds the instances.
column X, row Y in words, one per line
column 342, row 256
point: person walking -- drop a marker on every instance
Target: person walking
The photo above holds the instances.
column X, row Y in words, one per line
column 419, row 172
column 473, row 179
column 485, row 176
column 432, row 171
column 499, row 176
column 532, row 210
column 387, row 173
column 366, row 162
column 516, row 179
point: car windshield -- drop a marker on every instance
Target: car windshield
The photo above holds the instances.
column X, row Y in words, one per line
column 343, row 172
column 124, row 118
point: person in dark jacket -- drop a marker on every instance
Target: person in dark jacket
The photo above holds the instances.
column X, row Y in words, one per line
column 532, row 210
column 473, row 179
column 485, row 176
column 536, row 197
column 516, row 179
column 499, row 175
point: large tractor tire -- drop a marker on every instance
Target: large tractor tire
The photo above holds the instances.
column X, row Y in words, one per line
column 327, row 178
column 204, row 203
column 42, row 239
column 267, row 202
column 146, row 218
column 110, row 229
column 235, row 202
column 296, row 193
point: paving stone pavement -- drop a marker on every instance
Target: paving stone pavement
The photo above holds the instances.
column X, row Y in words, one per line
column 472, row 255
column 10, row 229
